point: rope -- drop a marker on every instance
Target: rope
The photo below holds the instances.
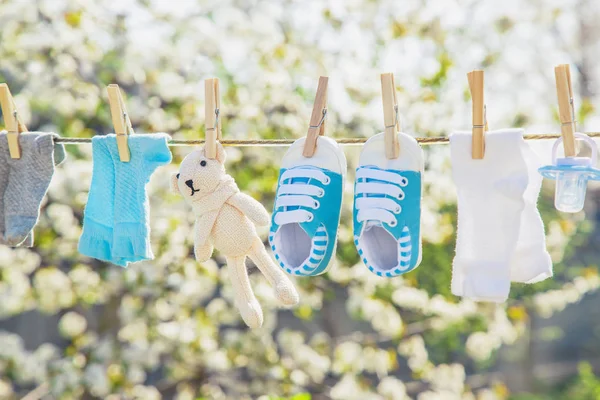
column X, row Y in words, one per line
column 287, row 142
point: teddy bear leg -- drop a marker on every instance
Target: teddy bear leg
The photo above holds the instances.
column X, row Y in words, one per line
column 244, row 296
column 285, row 291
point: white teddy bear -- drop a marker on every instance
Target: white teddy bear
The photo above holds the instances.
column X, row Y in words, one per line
column 225, row 219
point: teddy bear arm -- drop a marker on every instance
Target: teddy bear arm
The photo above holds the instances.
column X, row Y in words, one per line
column 203, row 247
column 251, row 208
column 203, row 227
column 203, row 252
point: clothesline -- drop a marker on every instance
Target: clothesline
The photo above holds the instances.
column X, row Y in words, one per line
column 287, row 142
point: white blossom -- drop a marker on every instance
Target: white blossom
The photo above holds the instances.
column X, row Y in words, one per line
column 392, row 389
column 72, row 324
column 481, row 345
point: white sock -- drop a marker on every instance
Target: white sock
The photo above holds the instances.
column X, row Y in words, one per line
column 490, row 202
column 531, row 262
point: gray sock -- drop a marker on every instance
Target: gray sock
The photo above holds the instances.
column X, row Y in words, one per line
column 27, row 183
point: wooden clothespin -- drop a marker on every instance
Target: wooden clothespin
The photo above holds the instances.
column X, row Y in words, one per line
column 479, row 113
column 566, row 108
column 212, row 105
column 120, row 119
column 12, row 121
column 391, row 116
column 317, row 118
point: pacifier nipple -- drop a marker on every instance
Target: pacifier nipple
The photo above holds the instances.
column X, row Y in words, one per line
column 571, row 175
column 571, row 184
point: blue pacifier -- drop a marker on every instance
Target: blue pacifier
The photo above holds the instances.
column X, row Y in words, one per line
column 571, row 175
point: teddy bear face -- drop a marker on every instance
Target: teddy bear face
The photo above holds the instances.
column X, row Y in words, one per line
column 199, row 175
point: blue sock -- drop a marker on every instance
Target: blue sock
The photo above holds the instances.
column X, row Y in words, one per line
column 97, row 237
column 131, row 235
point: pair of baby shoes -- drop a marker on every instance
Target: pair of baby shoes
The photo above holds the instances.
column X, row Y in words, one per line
column 387, row 207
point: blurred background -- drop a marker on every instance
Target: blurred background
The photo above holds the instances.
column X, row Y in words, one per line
column 72, row 327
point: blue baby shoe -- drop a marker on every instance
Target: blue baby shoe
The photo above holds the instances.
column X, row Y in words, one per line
column 387, row 206
column 308, row 203
column 571, row 175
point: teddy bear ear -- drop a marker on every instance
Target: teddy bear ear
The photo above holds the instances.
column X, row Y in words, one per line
column 174, row 180
column 221, row 155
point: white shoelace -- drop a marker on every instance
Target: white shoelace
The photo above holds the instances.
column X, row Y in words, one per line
column 379, row 209
column 299, row 194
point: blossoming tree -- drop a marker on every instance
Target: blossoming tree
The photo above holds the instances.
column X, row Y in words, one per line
column 74, row 327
